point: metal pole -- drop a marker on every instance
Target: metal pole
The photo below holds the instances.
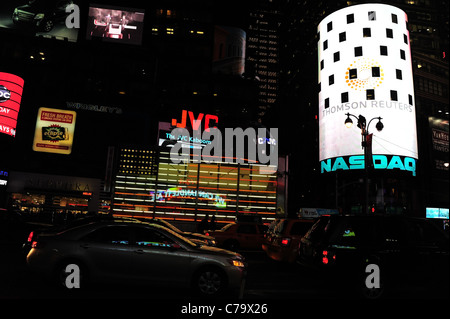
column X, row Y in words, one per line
column 366, row 179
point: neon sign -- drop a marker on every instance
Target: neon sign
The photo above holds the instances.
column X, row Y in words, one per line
column 379, row 162
column 11, row 88
column 178, row 192
column 195, row 122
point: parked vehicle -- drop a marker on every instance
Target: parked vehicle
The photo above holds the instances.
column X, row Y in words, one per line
column 282, row 243
column 242, row 235
column 404, row 249
column 116, row 251
column 196, row 237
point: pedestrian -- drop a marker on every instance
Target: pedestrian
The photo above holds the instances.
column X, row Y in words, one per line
column 212, row 223
column 203, row 224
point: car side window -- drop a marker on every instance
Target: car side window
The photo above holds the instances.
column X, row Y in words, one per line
column 423, row 233
column 246, row 229
column 262, row 228
column 116, row 235
column 146, row 237
column 300, row 228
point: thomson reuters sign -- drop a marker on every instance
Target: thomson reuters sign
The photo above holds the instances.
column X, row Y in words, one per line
column 11, row 87
column 364, row 61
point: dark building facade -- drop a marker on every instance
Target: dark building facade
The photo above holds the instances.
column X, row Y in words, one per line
column 118, row 84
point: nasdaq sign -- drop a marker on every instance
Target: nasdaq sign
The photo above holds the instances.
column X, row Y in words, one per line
column 355, row 162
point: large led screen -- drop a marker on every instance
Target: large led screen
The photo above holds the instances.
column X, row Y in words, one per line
column 115, row 24
column 54, row 131
column 11, row 87
column 364, row 65
column 58, row 19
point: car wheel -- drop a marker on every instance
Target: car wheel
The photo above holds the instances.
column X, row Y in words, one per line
column 210, row 281
column 48, row 26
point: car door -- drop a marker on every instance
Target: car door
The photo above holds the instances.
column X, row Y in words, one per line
column 107, row 251
column 247, row 235
column 158, row 257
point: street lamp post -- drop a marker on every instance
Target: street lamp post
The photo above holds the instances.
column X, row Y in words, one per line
column 367, row 147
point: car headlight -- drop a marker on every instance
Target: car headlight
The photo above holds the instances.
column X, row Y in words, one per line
column 211, row 242
column 237, row 263
column 39, row 16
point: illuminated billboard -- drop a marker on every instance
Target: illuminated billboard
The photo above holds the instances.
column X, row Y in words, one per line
column 364, row 65
column 54, row 131
column 115, row 24
column 57, row 19
column 11, row 87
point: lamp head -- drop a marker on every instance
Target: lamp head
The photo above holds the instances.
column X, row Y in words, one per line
column 348, row 121
column 379, row 125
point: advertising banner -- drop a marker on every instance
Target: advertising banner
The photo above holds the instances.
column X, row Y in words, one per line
column 54, row 131
column 115, row 24
column 11, row 87
column 439, row 142
column 57, row 19
column 364, row 65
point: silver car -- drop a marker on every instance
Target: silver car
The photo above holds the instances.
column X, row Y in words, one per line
column 133, row 251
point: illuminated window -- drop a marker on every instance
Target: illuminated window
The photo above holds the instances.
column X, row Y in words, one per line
column 353, row 73
column 350, row 18
column 394, row 95
column 370, row 94
column 389, row 33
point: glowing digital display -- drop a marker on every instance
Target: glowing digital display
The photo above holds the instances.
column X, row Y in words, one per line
column 54, row 131
column 115, row 24
column 11, row 87
column 364, row 65
column 56, row 19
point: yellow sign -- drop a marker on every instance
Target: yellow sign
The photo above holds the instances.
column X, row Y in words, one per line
column 54, row 131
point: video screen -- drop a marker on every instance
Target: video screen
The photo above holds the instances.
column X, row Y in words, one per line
column 47, row 18
column 115, row 24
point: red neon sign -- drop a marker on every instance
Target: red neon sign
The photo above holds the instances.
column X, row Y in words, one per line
column 195, row 122
column 11, row 88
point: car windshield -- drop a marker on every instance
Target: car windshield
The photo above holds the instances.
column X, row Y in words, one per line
column 224, row 228
column 181, row 238
column 169, row 225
